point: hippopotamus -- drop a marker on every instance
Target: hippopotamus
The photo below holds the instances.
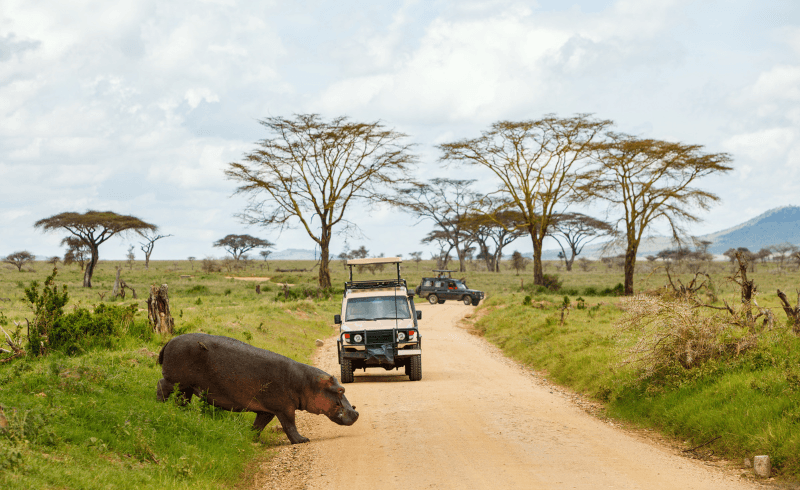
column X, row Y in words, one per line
column 238, row 377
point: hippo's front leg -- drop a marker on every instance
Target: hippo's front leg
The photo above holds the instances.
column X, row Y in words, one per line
column 290, row 429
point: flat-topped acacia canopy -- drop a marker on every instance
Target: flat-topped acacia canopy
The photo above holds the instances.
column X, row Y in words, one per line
column 93, row 228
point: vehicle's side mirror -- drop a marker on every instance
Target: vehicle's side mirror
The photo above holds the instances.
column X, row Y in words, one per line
column 419, row 315
column 337, row 319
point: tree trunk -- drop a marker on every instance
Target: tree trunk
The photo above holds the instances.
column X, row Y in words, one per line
column 538, row 272
column 158, row 310
column 115, row 292
column 630, row 266
column 147, row 261
column 87, row 273
column 324, row 259
column 569, row 262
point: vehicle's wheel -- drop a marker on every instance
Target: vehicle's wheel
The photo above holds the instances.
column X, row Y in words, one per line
column 475, row 301
column 467, row 300
column 347, row 371
column 414, row 368
column 441, row 301
column 433, row 299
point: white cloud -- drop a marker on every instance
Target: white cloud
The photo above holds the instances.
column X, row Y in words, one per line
column 765, row 145
column 137, row 106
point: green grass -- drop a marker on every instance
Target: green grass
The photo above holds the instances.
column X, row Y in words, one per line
column 91, row 420
column 751, row 401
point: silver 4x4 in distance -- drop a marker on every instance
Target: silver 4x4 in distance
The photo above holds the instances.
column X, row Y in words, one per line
column 378, row 324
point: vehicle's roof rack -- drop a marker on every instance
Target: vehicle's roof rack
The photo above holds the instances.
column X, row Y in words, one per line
column 375, row 260
column 376, row 284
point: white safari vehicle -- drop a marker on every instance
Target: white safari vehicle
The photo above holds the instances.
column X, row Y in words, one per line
column 378, row 324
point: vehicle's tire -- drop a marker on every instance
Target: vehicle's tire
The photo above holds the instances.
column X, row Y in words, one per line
column 475, row 301
column 347, row 371
column 467, row 300
column 433, row 299
column 441, row 301
column 414, row 368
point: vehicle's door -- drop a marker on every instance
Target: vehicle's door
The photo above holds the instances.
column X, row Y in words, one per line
column 450, row 290
column 440, row 288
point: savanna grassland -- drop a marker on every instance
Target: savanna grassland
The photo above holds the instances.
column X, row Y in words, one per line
column 86, row 416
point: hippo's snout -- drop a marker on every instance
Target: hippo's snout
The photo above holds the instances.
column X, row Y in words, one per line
column 346, row 416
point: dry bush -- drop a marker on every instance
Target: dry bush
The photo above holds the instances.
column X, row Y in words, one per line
column 675, row 332
column 210, row 265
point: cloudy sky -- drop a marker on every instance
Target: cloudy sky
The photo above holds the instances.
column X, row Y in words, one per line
column 138, row 106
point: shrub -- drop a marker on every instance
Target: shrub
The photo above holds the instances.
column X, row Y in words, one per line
column 48, row 307
column 669, row 334
column 83, row 328
column 198, row 289
column 552, row 282
column 618, row 290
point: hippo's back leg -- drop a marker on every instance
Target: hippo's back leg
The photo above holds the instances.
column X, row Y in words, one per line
column 164, row 389
column 262, row 419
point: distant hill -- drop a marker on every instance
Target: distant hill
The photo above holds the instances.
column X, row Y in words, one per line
column 775, row 226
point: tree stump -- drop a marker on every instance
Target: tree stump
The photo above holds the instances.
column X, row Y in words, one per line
column 158, row 310
column 258, row 288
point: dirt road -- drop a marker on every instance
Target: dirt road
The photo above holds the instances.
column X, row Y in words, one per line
column 476, row 420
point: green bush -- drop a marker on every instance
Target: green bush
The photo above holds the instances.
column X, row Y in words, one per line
column 618, row 290
column 198, row 289
column 552, row 282
column 82, row 328
column 48, row 307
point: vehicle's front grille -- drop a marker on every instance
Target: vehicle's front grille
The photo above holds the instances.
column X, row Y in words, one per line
column 379, row 337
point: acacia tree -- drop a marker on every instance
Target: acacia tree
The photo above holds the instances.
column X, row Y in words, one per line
column 307, row 168
column 575, row 230
column 651, row 180
column 148, row 245
column 19, row 259
column 445, row 246
column 77, row 251
column 447, row 203
column 492, row 226
column 237, row 245
column 93, row 228
column 540, row 163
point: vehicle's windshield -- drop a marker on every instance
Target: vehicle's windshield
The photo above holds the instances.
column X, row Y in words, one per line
column 377, row 308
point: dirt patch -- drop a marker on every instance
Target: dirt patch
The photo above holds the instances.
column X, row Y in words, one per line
column 248, row 278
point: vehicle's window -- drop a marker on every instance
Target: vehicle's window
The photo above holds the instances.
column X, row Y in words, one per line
column 427, row 283
column 437, row 284
column 461, row 285
column 377, row 308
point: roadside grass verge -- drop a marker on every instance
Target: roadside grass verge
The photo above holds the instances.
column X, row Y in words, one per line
column 749, row 401
column 91, row 420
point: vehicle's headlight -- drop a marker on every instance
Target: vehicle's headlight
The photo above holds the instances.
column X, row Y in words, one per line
column 357, row 338
column 401, row 336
